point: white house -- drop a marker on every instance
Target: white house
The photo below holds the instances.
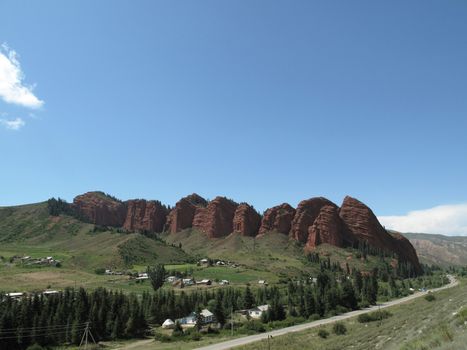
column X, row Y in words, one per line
column 208, row 316
column 168, row 324
column 190, row 320
column 205, row 281
column 142, row 276
column 172, row 279
column 188, row 281
column 258, row 311
column 263, row 282
column 49, row 292
column 204, row 261
column 224, row 282
column 15, row 295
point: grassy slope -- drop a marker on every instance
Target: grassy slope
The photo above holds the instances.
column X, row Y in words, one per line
column 417, row 325
column 29, row 230
column 271, row 257
column 439, row 249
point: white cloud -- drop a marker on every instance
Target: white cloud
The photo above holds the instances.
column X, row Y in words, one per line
column 12, row 89
column 443, row 219
column 14, row 124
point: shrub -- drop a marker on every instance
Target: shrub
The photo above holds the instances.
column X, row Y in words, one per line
column 374, row 316
column 99, row 271
column 195, row 336
column 163, row 338
column 255, row 326
column 430, row 297
column 339, row 328
column 323, row 333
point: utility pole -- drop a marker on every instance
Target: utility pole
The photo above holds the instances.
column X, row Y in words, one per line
column 231, row 320
column 269, row 343
column 84, row 339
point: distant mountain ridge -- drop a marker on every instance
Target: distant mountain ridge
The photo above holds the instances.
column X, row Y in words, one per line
column 315, row 221
column 439, row 249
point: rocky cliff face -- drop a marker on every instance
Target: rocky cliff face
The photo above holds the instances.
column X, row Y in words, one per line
column 182, row 215
column 314, row 222
column 278, row 218
column 307, row 212
column 405, row 249
column 360, row 223
column 216, row 219
column 246, row 220
column 327, row 228
column 145, row 215
column 100, row 209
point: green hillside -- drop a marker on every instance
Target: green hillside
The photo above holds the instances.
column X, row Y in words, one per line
column 82, row 248
column 29, row 231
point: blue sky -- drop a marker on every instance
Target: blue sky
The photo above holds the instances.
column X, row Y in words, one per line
column 261, row 101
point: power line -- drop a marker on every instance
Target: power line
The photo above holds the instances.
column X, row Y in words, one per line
column 40, row 334
column 8, row 330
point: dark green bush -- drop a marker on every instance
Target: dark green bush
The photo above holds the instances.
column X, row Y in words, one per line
column 430, row 297
column 374, row 316
column 323, row 333
column 163, row 338
column 339, row 328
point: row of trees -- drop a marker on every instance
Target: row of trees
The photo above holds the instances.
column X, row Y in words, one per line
column 62, row 318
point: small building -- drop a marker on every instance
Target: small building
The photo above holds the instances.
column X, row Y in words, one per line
column 208, row 316
column 172, row 279
column 142, row 276
column 224, row 282
column 258, row 311
column 15, row 295
column 204, row 261
column 168, row 324
column 206, row 282
column 190, row 320
column 188, row 281
column 263, row 282
column 50, row 292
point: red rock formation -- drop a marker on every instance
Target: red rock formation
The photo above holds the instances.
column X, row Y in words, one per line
column 182, row 215
column 246, row 220
column 327, row 228
column 145, row 215
column 100, row 209
column 307, row 211
column 361, row 224
column 406, row 250
column 216, row 220
column 278, row 218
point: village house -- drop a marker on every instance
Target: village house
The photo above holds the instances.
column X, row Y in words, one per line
column 15, row 295
column 172, row 279
column 258, row 311
column 224, row 282
column 206, row 282
column 188, row 281
column 190, row 320
column 263, row 282
column 142, row 276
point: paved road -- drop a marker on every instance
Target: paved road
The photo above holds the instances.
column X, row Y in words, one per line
column 253, row 338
